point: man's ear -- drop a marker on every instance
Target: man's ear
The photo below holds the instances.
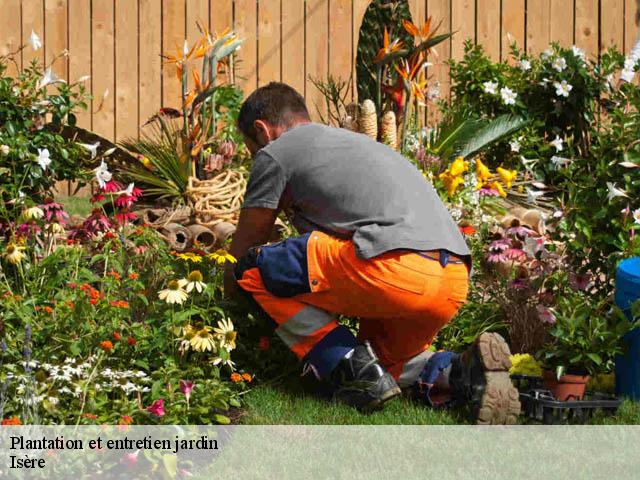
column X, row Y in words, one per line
column 263, row 132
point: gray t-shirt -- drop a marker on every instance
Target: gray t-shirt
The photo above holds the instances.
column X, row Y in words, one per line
column 350, row 186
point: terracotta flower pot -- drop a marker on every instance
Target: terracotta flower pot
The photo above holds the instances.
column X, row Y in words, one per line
column 568, row 387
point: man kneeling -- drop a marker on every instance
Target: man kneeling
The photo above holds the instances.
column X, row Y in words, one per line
column 376, row 243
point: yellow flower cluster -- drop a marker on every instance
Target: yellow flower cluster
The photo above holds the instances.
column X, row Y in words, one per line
column 452, row 177
column 486, row 178
column 525, row 364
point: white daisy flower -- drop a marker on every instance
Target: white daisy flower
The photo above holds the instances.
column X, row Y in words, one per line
column 490, row 87
column 193, row 281
column 508, row 96
column 563, row 88
column 174, row 293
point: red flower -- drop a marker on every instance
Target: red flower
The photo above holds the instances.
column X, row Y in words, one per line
column 114, row 274
column 72, row 285
column 125, row 420
column 133, row 276
column 186, row 388
column 116, row 336
column 109, row 235
column 106, row 345
column 111, row 187
column 246, row 377
column 264, row 344
column 125, row 216
column 468, row 230
column 131, row 341
column 236, row 377
column 90, row 416
column 157, row 408
column 98, row 197
column 11, row 421
column 48, row 310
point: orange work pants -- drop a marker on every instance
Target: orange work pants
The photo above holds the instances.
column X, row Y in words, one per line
column 401, row 298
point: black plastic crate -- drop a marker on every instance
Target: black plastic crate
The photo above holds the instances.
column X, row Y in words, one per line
column 540, row 405
column 525, row 383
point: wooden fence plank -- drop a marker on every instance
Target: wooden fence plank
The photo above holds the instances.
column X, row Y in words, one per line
column 359, row 9
column 293, row 66
column 32, row 21
column 246, row 12
column 150, row 66
column 463, row 13
column 80, row 51
column 221, row 15
column 439, row 73
column 197, row 13
column 538, row 12
column 10, row 38
column 340, row 38
column 317, row 52
column 126, row 66
column 586, row 29
column 513, row 27
column 103, row 104
column 489, row 27
column 173, row 36
column 269, row 59
column 418, row 10
column 630, row 25
column 612, row 24
column 561, row 25
column 55, row 27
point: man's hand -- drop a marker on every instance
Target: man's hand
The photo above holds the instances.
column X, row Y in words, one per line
column 254, row 228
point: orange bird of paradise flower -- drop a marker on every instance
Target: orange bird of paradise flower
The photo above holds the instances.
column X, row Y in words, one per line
column 388, row 47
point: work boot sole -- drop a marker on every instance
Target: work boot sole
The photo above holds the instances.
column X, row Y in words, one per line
column 381, row 400
column 500, row 402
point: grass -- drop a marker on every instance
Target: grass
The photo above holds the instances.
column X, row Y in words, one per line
column 287, row 404
column 75, row 205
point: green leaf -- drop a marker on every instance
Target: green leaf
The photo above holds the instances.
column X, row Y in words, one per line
column 595, row 358
column 222, row 419
column 490, row 133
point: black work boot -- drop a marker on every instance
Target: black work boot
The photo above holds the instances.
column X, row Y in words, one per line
column 361, row 382
column 480, row 379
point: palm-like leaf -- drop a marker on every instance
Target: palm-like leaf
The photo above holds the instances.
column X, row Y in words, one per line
column 489, row 133
column 467, row 136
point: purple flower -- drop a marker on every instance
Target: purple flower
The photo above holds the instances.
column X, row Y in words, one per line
column 519, row 283
column 28, row 229
column 520, row 231
column 96, row 223
column 488, row 192
column 580, row 282
column 186, row 387
column 515, row 254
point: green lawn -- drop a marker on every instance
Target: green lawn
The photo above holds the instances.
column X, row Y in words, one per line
column 288, row 404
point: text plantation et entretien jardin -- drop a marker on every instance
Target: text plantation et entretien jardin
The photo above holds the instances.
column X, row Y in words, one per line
column 60, row 443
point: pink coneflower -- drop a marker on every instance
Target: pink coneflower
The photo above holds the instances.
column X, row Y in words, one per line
column 515, row 254
column 497, row 248
column 546, row 315
column 580, row 281
column 28, row 230
column 157, row 408
column 125, row 216
column 96, row 223
column 227, row 149
column 111, row 187
column 488, row 192
column 54, row 211
column 519, row 231
column 98, row 197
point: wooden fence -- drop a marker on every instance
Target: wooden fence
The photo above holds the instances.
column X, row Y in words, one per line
column 119, row 42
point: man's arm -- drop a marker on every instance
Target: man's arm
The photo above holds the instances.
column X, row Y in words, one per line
column 254, row 228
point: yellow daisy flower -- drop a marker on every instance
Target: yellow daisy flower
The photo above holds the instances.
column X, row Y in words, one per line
column 14, row 253
column 226, row 334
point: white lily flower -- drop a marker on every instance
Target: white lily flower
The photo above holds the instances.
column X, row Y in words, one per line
column 103, row 175
column 525, row 65
column 627, row 75
column 558, row 144
column 533, row 195
column 35, row 41
column 44, row 159
column 636, row 215
column 49, row 78
column 490, row 87
column 559, row 162
column 563, row 88
column 508, row 96
column 109, row 152
column 614, row 191
column 92, row 147
column 629, row 165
